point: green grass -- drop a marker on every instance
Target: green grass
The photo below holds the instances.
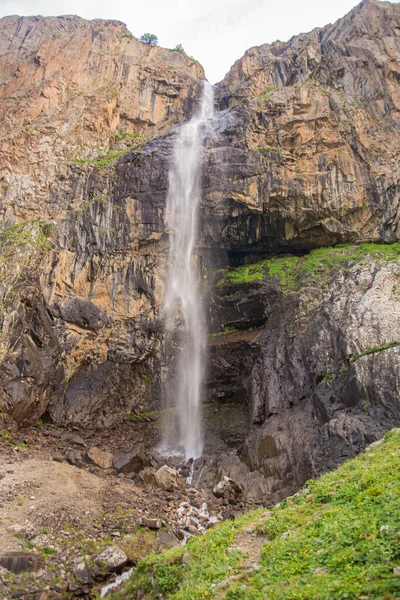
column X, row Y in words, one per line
column 211, row 336
column 266, row 93
column 34, row 233
column 374, row 349
column 338, row 539
column 292, row 271
column 270, row 149
column 344, row 535
column 110, row 156
column 208, row 563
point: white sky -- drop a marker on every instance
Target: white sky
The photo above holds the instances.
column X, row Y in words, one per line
column 215, row 32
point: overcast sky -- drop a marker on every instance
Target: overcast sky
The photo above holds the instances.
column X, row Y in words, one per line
column 215, row 32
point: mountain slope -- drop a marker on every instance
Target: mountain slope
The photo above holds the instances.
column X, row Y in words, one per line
column 337, row 538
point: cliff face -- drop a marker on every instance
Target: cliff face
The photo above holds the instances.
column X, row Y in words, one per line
column 309, row 138
column 302, row 154
column 69, row 88
column 74, row 96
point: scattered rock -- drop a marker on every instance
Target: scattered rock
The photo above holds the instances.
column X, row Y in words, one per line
column 133, row 461
column 112, row 558
column 165, row 540
column 320, row 571
column 82, row 573
column 396, row 571
column 227, row 489
column 117, row 583
column 374, row 445
column 17, row 529
column 99, row 457
column 150, row 523
column 167, row 478
column 41, row 541
column 77, row 441
column 148, row 476
column 19, row 562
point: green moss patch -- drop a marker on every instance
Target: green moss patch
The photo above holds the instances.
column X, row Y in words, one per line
column 337, row 539
column 270, row 149
column 374, row 349
column 105, row 158
column 292, row 271
column 33, row 233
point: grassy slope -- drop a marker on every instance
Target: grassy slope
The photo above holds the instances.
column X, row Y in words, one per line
column 291, row 271
column 339, row 538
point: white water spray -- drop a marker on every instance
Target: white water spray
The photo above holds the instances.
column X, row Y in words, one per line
column 182, row 303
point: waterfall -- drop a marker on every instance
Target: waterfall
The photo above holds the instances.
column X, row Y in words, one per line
column 183, row 309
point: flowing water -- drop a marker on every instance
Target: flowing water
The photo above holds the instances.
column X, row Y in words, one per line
column 183, row 309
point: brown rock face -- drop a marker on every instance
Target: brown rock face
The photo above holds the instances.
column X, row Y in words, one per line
column 309, row 140
column 74, row 96
column 72, row 89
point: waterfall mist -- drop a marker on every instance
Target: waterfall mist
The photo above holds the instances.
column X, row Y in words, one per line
column 183, row 310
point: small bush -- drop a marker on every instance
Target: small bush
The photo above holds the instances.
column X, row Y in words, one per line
column 149, row 38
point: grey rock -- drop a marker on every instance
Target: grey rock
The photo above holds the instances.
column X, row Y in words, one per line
column 166, row 540
column 150, row 523
column 81, row 572
column 113, row 559
column 99, row 457
column 20, row 562
column 133, row 461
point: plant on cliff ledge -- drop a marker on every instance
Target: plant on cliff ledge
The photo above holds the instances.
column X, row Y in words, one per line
column 149, row 38
column 33, row 233
column 293, row 271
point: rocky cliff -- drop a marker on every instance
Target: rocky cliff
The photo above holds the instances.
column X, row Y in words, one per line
column 302, row 154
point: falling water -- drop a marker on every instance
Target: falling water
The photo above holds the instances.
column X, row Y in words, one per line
column 182, row 304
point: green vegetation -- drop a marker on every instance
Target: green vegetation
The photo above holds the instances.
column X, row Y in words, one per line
column 266, row 93
column 5, row 436
column 126, row 134
column 327, row 377
column 33, row 233
column 211, row 336
column 270, row 149
column 292, row 271
column 169, row 575
column 337, row 539
column 373, row 350
column 179, row 48
column 149, row 38
column 105, row 158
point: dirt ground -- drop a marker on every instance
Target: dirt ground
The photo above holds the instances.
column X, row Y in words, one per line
column 66, row 514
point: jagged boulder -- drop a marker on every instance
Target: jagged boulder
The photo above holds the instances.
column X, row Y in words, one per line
column 133, row 461
column 112, row 559
column 166, row 478
column 99, row 457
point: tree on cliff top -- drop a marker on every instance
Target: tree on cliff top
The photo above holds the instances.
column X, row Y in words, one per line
column 149, row 38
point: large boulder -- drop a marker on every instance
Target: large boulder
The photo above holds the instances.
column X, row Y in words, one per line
column 133, row 461
column 166, row 478
column 20, row 562
column 112, row 559
column 99, row 457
